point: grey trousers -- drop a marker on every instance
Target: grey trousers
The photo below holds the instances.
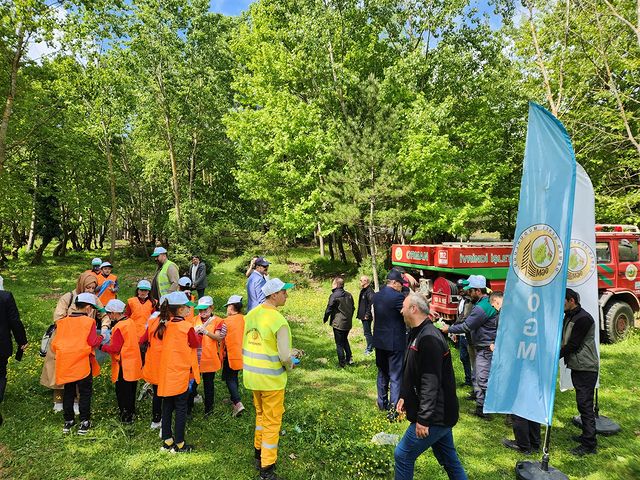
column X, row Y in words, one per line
column 483, row 367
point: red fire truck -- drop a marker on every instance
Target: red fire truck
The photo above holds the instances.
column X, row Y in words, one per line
column 440, row 266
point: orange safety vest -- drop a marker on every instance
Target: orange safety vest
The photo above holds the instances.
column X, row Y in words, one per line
column 75, row 359
column 178, row 362
column 151, row 368
column 129, row 357
column 107, row 294
column 140, row 313
column 233, row 340
column 211, row 358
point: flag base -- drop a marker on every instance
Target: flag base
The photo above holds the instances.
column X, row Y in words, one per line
column 604, row 425
column 533, row 471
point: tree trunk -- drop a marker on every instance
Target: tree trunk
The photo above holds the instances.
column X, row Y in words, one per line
column 343, row 255
column 355, row 248
column 332, row 255
column 112, row 182
column 192, row 163
column 320, row 240
column 37, row 258
column 32, row 225
column 372, row 238
column 170, row 146
column 75, row 243
column 11, row 95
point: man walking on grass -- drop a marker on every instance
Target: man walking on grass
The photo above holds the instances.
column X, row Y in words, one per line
column 340, row 311
column 428, row 395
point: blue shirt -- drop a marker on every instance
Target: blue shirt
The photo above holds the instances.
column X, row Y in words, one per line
column 254, row 290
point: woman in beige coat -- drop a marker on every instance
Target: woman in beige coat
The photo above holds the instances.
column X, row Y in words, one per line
column 87, row 283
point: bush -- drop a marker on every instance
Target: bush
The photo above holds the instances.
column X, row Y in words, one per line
column 324, row 267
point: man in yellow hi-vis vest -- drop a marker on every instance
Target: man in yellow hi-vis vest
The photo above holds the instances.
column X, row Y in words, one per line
column 266, row 357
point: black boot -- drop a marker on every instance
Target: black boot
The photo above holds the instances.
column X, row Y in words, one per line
column 256, row 456
column 268, row 473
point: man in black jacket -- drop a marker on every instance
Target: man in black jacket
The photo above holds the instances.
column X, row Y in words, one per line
column 580, row 355
column 340, row 311
column 198, row 275
column 365, row 312
column 428, row 395
column 10, row 324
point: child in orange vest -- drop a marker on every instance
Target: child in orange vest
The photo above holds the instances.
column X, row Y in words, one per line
column 178, row 365
column 140, row 307
column 126, row 361
column 107, row 283
column 232, row 363
column 152, row 346
column 212, row 330
column 76, row 363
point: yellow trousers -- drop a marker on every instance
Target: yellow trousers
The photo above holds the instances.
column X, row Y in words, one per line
column 269, row 409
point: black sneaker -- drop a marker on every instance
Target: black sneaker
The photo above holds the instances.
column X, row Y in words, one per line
column 393, row 415
column 85, row 425
column 514, row 446
column 167, row 448
column 68, row 426
column 581, row 451
column 480, row 414
column 268, row 473
column 186, row 448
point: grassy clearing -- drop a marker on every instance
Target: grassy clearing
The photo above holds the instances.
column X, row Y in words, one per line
column 330, row 417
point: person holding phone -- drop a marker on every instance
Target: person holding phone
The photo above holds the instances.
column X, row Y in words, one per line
column 10, row 324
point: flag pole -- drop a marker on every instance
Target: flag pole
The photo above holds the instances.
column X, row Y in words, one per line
column 540, row 470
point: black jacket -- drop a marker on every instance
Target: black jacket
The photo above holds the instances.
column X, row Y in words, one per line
column 365, row 302
column 200, row 279
column 428, row 381
column 340, row 309
column 10, row 324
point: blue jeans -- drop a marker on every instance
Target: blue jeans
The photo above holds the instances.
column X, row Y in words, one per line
column 440, row 439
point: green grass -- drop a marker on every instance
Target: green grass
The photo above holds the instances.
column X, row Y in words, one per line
column 330, row 414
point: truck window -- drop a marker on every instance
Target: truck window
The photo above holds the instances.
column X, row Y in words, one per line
column 603, row 252
column 628, row 250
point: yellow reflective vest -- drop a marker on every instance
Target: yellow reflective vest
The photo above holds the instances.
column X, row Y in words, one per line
column 262, row 369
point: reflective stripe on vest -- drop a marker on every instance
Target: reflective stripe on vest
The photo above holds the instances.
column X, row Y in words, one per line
column 163, row 279
column 262, row 369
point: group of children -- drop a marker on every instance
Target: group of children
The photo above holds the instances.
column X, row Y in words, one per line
column 170, row 344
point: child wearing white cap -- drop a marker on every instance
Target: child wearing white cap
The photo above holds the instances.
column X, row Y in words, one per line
column 107, row 283
column 126, row 361
column 213, row 331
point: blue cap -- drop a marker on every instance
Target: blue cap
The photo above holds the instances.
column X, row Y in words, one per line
column 395, row 275
column 158, row 251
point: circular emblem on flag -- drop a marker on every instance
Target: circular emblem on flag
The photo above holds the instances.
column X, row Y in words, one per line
column 398, row 253
column 631, row 272
column 582, row 263
column 538, row 255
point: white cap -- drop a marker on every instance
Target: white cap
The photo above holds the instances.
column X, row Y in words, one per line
column 144, row 285
column 115, row 306
column 204, row 303
column 96, row 261
column 234, row 299
column 89, row 298
column 105, row 264
column 184, row 282
column 158, row 250
column 274, row 286
column 178, row 298
column 476, row 281
column 163, row 299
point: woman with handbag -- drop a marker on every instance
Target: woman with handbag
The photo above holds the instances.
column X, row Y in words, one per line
column 86, row 283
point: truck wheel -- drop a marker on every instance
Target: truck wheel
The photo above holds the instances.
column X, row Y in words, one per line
column 618, row 318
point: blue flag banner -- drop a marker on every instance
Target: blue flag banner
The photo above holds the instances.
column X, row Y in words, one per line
column 525, row 361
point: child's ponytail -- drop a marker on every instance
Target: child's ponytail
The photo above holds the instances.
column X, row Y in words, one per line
column 164, row 318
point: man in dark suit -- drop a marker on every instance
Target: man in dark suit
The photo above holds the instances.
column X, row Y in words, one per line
column 390, row 341
column 9, row 324
column 198, row 275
